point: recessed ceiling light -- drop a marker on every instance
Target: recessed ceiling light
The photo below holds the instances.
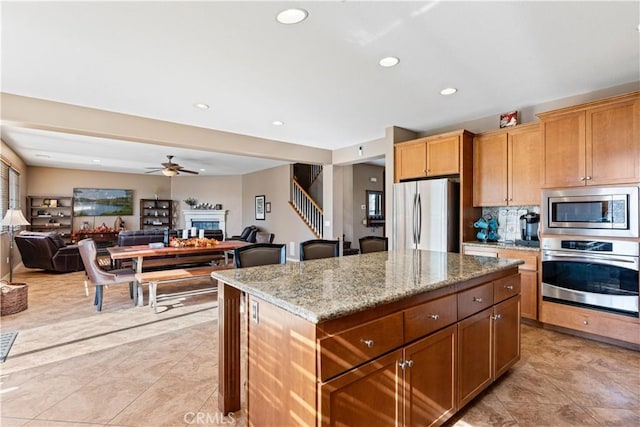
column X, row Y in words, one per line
column 96, row 160
column 277, row 123
column 389, row 61
column 448, row 91
column 44, row 156
column 638, row 28
column 201, row 106
column 292, row 16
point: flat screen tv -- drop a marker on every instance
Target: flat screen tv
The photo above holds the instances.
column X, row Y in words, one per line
column 102, row 202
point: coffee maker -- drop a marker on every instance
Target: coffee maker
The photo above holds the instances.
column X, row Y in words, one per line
column 529, row 223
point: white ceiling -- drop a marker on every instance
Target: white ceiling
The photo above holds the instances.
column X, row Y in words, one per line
column 320, row 77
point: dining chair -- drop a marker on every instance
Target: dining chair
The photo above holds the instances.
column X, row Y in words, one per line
column 319, row 248
column 260, row 254
column 370, row 244
column 100, row 277
column 264, row 237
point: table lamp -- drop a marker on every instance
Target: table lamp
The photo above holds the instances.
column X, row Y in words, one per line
column 12, row 219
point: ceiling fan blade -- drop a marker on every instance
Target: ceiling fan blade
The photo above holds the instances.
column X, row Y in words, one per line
column 155, row 170
column 188, row 171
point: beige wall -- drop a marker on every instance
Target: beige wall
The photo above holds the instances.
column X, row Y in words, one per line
column 61, row 182
column 283, row 221
column 224, row 190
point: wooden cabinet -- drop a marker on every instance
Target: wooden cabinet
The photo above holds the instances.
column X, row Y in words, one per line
column 528, row 272
column 489, row 344
column 592, row 144
column 507, row 167
column 51, row 213
column 432, row 156
column 453, row 348
column 156, row 213
column 619, row 327
column 429, row 379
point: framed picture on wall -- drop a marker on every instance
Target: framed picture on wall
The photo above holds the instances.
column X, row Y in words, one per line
column 260, row 207
column 267, row 207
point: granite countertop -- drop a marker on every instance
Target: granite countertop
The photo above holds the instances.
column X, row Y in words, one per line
column 501, row 245
column 325, row 289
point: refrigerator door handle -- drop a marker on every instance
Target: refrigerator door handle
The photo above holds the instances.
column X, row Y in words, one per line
column 419, row 216
column 414, row 219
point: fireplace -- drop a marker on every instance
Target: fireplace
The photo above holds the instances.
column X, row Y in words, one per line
column 205, row 219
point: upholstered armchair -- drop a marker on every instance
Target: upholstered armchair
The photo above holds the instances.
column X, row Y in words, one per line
column 48, row 251
column 247, row 235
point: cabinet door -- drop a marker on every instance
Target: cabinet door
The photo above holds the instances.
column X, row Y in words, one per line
column 348, row 399
column 474, row 355
column 525, row 168
column 529, row 294
column 613, row 144
column 411, row 159
column 443, row 156
column 490, row 170
column 564, row 150
column 430, row 380
column 506, row 333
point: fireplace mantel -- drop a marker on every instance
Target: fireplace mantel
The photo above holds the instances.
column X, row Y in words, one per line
column 205, row 215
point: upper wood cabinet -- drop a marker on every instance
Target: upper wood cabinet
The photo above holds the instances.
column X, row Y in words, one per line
column 506, row 168
column 592, row 144
column 437, row 155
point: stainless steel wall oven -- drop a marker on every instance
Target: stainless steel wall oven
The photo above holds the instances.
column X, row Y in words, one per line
column 600, row 274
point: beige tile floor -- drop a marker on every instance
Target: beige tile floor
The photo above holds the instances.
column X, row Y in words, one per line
column 71, row 366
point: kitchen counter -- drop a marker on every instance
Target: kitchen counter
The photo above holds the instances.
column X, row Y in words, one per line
column 321, row 290
column 310, row 322
column 501, row 245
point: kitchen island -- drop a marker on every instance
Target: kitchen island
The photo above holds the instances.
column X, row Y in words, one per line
column 387, row 338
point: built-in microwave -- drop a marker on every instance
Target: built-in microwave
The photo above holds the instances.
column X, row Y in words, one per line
column 591, row 211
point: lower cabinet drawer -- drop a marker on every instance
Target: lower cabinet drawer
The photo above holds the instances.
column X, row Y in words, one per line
column 506, row 288
column 343, row 351
column 429, row 317
column 474, row 300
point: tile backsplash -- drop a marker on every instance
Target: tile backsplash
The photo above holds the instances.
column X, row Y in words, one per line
column 509, row 219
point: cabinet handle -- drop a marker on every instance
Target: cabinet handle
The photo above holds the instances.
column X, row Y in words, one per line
column 586, row 322
column 508, row 287
column 476, row 299
column 588, row 178
column 405, row 364
column 435, row 316
column 368, row 343
column 582, row 178
column 496, row 316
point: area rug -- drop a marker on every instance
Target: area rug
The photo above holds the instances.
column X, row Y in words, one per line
column 6, row 341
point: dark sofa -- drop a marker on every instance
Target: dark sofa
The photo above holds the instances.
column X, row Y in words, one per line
column 48, row 251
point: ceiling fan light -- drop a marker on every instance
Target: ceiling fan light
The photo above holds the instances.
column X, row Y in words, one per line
column 169, row 172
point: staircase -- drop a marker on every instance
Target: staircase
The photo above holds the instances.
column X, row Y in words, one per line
column 304, row 205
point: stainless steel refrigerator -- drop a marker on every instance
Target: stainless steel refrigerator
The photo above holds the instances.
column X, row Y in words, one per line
column 426, row 215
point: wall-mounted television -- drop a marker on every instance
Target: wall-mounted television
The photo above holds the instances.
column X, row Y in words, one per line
column 102, row 202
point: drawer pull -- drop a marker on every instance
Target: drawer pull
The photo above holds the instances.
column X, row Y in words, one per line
column 496, row 316
column 368, row 343
column 586, row 322
column 477, row 299
column 435, row 316
column 508, row 287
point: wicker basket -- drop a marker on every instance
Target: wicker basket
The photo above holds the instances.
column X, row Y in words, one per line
column 13, row 298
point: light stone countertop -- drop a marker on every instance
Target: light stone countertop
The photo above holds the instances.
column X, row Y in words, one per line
column 325, row 289
column 502, row 245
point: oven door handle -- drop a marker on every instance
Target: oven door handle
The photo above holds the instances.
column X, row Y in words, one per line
column 584, row 257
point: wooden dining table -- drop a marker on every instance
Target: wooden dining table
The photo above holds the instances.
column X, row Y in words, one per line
column 138, row 253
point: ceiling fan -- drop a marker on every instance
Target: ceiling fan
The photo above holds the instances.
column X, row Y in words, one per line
column 171, row 169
